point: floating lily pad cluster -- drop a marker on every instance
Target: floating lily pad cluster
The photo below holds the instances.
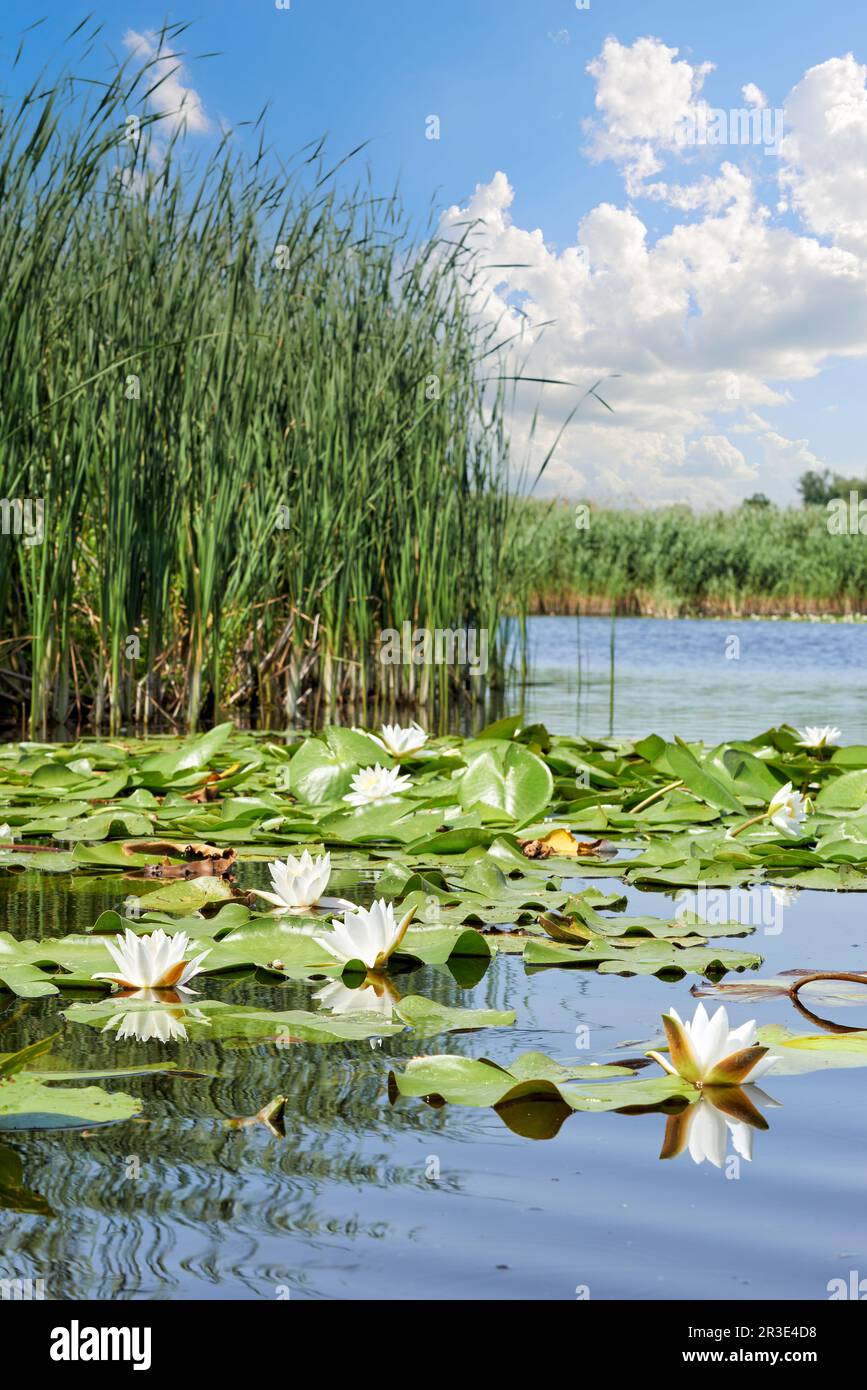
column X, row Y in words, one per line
column 473, row 847
column 673, row 805
column 535, row 1094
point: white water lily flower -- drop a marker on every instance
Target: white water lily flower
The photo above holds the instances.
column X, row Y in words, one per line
column 152, row 962
column 400, row 741
column 370, row 999
column 707, row 1052
column 370, row 935
column 375, row 784
column 787, row 810
column 818, row 736
column 300, row 883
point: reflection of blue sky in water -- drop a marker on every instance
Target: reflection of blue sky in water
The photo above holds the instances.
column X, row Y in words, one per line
column 343, row 1207
column 673, row 676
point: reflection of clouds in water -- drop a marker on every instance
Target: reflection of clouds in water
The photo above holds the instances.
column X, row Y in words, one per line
column 572, row 690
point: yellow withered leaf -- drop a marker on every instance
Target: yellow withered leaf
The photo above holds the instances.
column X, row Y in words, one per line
column 560, row 842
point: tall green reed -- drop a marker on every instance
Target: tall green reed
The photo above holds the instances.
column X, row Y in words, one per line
column 252, row 402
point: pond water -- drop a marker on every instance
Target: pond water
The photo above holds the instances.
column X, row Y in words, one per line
column 705, row 678
column 364, row 1198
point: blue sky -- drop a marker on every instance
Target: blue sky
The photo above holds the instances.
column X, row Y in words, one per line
column 508, row 80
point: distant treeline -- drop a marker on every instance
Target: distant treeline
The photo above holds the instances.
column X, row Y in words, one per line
column 671, row 561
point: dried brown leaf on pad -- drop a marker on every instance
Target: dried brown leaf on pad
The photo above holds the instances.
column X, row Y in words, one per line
column 563, row 844
column 199, row 859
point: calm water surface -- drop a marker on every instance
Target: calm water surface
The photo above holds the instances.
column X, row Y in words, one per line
column 363, row 1198
column 700, row 678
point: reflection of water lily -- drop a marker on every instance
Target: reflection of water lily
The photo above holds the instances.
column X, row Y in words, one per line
column 704, row 1126
column 399, row 741
column 818, row 736
column 707, row 1052
column 300, row 883
column 152, row 962
column 376, row 996
column 784, row 896
column 160, row 1024
column 370, row 935
column 148, row 1025
column 375, row 784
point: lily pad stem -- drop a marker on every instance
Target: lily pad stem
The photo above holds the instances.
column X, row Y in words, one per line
column 825, row 975
column 754, row 820
column 655, row 796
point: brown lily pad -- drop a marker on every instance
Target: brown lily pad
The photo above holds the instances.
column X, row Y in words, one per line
column 199, row 859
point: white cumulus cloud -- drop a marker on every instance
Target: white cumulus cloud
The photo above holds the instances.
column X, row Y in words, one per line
column 179, row 105
column 824, row 151
column 696, row 332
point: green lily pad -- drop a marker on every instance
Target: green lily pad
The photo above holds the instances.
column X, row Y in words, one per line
column 640, row 956
column 465, row 803
column 174, row 766
column 509, row 778
column 294, row 952
column 580, row 922
column 28, row 1101
column 465, row 1081
column 847, row 792
column 805, row 1052
column 188, row 895
column 322, row 769
column 45, row 863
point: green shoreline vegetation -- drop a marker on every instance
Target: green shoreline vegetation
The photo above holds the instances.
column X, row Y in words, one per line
column 755, row 560
column 250, row 423
column 258, row 417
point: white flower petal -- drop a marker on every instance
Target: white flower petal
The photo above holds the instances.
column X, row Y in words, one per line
column 707, row 1135
column 763, row 1065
